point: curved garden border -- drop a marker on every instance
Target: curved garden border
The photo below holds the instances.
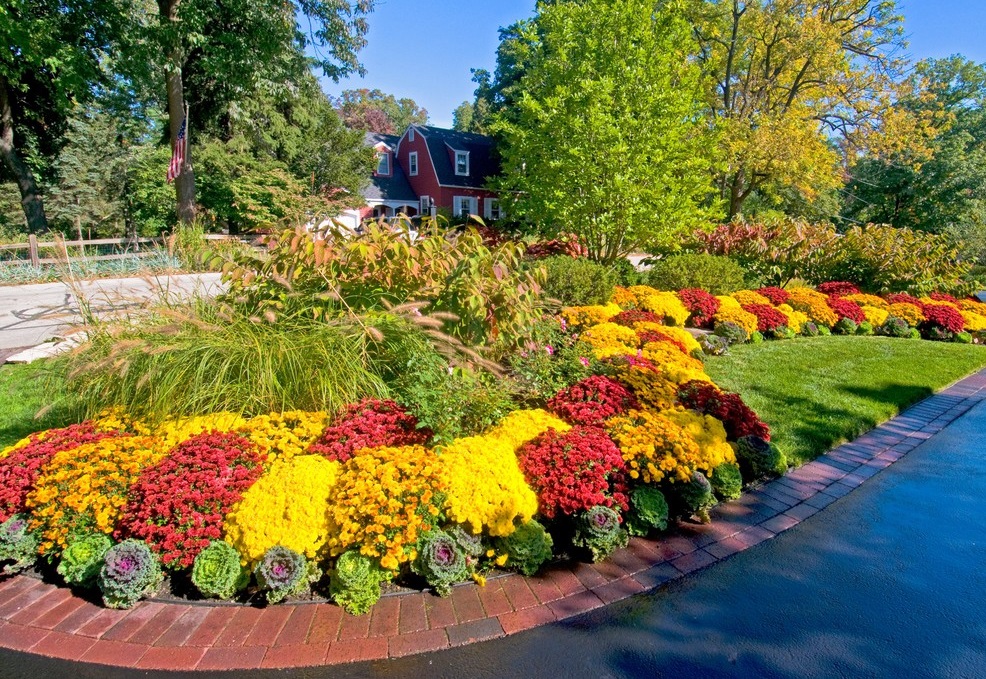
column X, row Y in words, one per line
column 47, row 620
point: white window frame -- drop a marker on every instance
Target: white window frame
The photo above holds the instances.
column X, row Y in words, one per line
column 464, row 154
column 457, row 206
column 489, row 204
column 412, row 164
column 424, row 205
column 383, row 158
column 410, row 134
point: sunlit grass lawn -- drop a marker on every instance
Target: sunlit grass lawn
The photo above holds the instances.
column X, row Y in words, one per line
column 24, row 392
column 816, row 393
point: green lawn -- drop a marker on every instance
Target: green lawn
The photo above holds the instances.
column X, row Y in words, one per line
column 819, row 392
column 24, row 392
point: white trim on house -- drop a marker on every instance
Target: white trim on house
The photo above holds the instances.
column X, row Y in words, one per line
column 465, row 154
column 412, row 164
column 459, row 206
column 383, row 161
column 424, row 204
column 488, row 205
column 410, row 133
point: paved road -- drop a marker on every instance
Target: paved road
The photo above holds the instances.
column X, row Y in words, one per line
column 30, row 314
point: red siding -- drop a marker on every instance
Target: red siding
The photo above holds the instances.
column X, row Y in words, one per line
column 449, row 194
column 426, row 181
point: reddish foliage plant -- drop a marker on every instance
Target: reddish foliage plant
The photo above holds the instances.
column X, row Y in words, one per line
column 737, row 417
column 633, row 316
column 777, row 296
column 20, row 469
column 845, row 308
column 575, row 471
column 941, row 317
column 178, row 505
column 838, row 289
column 565, row 244
column 702, row 305
column 592, row 401
column 369, row 424
column 768, row 318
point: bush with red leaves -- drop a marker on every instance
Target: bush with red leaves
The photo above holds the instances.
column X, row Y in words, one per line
column 941, row 318
column 565, row 244
column 845, row 308
column 648, row 336
column 369, row 424
column 575, row 471
column 178, row 506
column 777, row 296
column 737, row 417
column 702, row 305
column 944, row 297
column 592, row 401
column 838, row 289
column 903, row 298
column 768, row 318
column 633, row 316
column 19, row 470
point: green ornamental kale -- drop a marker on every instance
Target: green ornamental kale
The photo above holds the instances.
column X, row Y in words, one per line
column 727, row 482
column 471, row 544
column 845, row 326
column 18, row 545
column 83, row 559
column 599, row 531
column 527, row 548
column 731, row 332
column 697, row 496
column 217, row 572
column 810, row 329
column 759, row 458
column 282, row 572
column 355, row 583
column 441, row 561
column 895, row 327
column 130, row 572
column 648, row 511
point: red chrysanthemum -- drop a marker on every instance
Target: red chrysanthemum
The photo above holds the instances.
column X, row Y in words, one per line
column 838, row 289
column 944, row 297
column 903, row 298
column 941, row 317
column 777, row 296
column 592, row 401
column 738, row 418
column 369, row 424
column 648, row 336
column 768, row 318
column 631, row 317
column 701, row 304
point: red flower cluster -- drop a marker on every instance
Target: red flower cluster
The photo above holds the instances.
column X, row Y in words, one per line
column 768, row 318
column 845, row 308
column 178, row 505
column 944, row 297
column 657, row 336
column 20, row 469
column 777, row 296
column 632, row 316
column 702, row 305
column 838, row 289
column 737, row 417
column 575, row 471
column 592, row 401
column 941, row 317
column 902, row 298
column 369, row 424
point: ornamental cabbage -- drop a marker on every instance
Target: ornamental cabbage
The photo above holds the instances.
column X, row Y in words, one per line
column 83, row 558
column 217, row 572
column 598, row 530
column 697, row 497
column 355, row 583
column 130, row 572
column 527, row 548
column 283, row 572
column 18, row 545
column 727, row 482
column 648, row 511
column 759, row 458
column 441, row 561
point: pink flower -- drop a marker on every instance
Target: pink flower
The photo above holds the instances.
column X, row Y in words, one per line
column 550, row 349
column 584, row 361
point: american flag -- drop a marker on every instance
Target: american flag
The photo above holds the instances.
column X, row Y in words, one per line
column 178, row 155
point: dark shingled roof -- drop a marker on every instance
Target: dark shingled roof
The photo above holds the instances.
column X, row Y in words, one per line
column 394, row 187
column 482, row 163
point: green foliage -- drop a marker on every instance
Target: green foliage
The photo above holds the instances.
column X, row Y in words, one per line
column 130, row 572
column 549, row 361
column 283, row 572
column 577, row 282
column 627, row 274
column 82, row 560
column 441, row 561
column 696, row 496
column 727, row 482
column 18, row 545
column 217, row 572
column 731, row 332
column 895, row 327
column 648, row 511
column 845, row 326
column 598, row 531
column 759, row 458
column 355, row 583
column 527, row 548
column 604, row 136
column 716, row 274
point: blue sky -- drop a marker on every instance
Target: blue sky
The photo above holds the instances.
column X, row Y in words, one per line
column 424, row 49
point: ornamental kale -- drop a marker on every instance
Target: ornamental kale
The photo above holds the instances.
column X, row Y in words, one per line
column 217, row 572
column 727, row 482
column 731, row 332
column 83, row 559
column 759, row 458
column 130, row 572
column 282, row 572
column 18, row 545
column 714, row 345
column 697, row 497
column 810, row 329
column 441, row 561
column 845, row 326
column 527, row 548
column 598, row 530
column 471, row 544
column 648, row 511
column 355, row 583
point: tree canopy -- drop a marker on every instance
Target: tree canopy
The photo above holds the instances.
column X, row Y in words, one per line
column 375, row 111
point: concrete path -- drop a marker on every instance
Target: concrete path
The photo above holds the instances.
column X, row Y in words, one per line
column 30, row 314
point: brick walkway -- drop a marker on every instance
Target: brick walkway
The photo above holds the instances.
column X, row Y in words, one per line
column 48, row 620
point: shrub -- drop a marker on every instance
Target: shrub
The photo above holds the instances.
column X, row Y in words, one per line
column 701, row 304
column 696, row 496
column 777, row 296
column 355, row 582
column 577, row 282
column 441, row 561
column 714, row 345
column 283, row 572
column 130, row 572
column 768, row 318
column 717, row 275
column 368, row 424
column 838, row 289
column 727, row 481
column 592, row 401
column 527, row 548
column 83, row 558
column 738, row 418
column 648, row 511
column 217, row 572
column 18, row 545
column 731, row 332
column 598, row 530
column 758, row 458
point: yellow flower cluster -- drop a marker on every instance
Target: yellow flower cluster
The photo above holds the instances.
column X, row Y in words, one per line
column 653, row 389
column 682, row 335
column 17, row 446
column 84, row 489
column 623, row 298
column 675, row 366
column 171, row 433
column 117, row 419
column 973, row 306
column 750, row 297
column 814, row 304
column 867, row 300
column 727, row 302
column 281, row 436
column 384, row 500
column 875, row 316
column 973, row 321
column 909, row 312
column 654, row 447
column 744, row 319
column 607, row 336
column 522, row 426
column 286, row 506
column 666, row 305
column 795, row 319
column 486, row 487
column 582, row 316
column 709, row 434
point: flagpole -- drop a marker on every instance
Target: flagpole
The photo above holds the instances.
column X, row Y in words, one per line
column 187, row 160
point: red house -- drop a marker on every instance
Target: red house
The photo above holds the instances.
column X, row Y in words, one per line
column 430, row 166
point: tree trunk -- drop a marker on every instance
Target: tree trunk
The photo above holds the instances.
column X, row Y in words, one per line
column 34, row 211
column 736, row 195
column 185, row 181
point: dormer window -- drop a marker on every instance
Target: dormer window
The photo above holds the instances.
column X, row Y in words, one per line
column 462, row 163
column 383, row 163
column 412, row 164
column 410, row 134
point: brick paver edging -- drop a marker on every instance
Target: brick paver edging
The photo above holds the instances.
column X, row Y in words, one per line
column 48, row 620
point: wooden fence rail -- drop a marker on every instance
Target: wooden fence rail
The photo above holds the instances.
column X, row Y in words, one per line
column 131, row 245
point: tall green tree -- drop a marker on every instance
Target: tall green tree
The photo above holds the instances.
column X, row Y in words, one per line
column 607, row 137
column 376, row 111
